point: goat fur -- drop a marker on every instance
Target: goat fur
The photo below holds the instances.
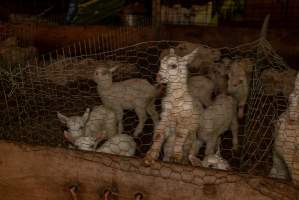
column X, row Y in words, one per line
column 99, row 120
column 286, row 143
column 133, row 94
column 180, row 115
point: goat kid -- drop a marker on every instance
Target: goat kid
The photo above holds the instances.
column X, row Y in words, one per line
column 180, row 115
column 99, row 120
column 133, row 94
column 121, row 144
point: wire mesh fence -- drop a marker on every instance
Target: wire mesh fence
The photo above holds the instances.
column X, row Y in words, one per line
column 104, row 41
column 62, row 98
column 63, row 81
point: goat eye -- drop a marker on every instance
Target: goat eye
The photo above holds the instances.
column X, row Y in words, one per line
column 173, row 66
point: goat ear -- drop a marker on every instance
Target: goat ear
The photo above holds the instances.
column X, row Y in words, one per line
column 68, row 136
column 63, row 119
column 189, row 57
column 171, row 52
column 86, row 115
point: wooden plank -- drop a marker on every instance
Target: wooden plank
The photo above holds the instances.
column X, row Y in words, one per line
column 30, row 173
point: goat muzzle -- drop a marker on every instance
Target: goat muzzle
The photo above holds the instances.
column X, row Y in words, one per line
column 158, row 78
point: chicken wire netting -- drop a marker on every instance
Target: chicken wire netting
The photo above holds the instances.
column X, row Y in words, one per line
column 31, row 96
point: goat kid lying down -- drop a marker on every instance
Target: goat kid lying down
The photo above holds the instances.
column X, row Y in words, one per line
column 99, row 120
column 214, row 161
column 121, row 144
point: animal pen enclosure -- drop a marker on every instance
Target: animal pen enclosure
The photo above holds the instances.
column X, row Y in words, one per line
column 63, row 81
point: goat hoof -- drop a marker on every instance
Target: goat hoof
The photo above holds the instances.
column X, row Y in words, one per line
column 176, row 158
column 196, row 162
column 148, row 161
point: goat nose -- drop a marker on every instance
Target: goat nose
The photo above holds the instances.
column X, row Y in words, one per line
column 158, row 78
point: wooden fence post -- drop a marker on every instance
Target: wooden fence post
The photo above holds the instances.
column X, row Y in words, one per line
column 156, row 15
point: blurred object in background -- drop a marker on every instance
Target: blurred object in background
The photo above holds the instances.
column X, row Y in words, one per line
column 71, row 11
column 134, row 14
column 231, row 9
column 95, row 11
column 199, row 13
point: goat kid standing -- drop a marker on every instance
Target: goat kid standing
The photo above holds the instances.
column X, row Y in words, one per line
column 286, row 140
column 133, row 94
column 180, row 115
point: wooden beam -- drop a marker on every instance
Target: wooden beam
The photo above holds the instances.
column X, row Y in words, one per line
column 36, row 172
column 156, row 16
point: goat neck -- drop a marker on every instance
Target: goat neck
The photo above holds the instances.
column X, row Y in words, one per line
column 179, row 88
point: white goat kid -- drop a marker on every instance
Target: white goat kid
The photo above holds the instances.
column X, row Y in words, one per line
column 286, row 144
column 121, row 144
column 75, row 124
column 214, row 161
column 99, row 120
column 170, row 142
column 137, row 94
column 179, row 116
